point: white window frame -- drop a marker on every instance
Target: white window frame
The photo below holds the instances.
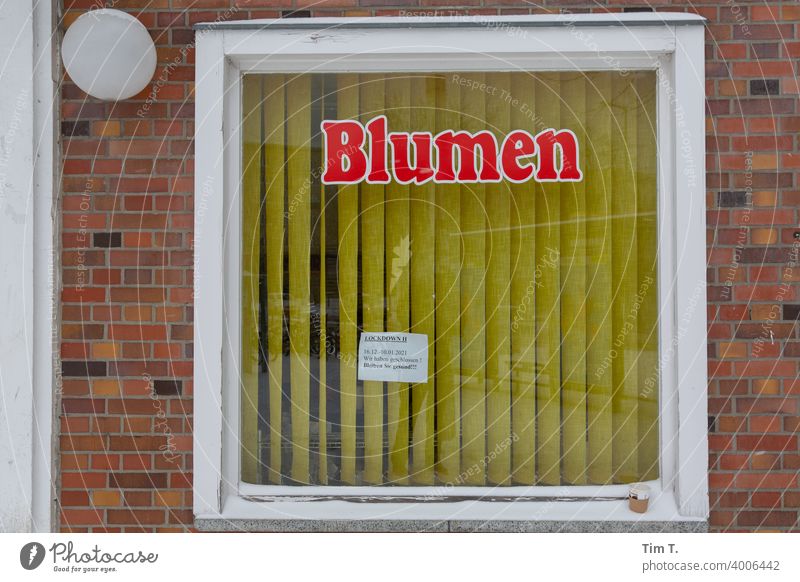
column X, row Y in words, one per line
column 29, row 253
column 670, row 43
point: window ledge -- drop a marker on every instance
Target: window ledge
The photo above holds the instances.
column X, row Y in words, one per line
column 451, row 526
column 240, row 514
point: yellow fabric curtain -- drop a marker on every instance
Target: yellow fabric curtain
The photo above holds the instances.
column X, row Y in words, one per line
column 539, row 300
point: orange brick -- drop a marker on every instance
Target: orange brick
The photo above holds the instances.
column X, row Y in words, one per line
column 732, row 88
column 105, row 387
column 765, row 162
column 110, row 351
column 763, row 236
column 762, row 312
column 106, row 498
column 138, row 313
column 137, row 239
column 169, row 498
column 106, row 128
column 765, row 197
column 731, row 350
column 72, row 461
column 766, row 386
column 790, row 12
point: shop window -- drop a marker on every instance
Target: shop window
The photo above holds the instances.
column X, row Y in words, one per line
column 450, row 268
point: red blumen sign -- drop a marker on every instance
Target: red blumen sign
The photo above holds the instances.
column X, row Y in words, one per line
column 480, row 156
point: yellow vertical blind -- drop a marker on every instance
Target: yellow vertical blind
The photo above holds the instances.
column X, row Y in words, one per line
column 398, row 260
column 348, row 106
column 538, row 299
column 548, row 300
column 448, row 256
column 523, row 292
column 422, row 290
column 298, row 165
column 498, row 287
column 322, row 418
column 624, row 403
column 647, row 241
column 274, row 181
column 598, row 274
column 473, row 303
column 372, row 267
column 573, row 296
column 251, row 202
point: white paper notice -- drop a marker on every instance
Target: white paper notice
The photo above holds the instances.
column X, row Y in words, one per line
column 393, row 357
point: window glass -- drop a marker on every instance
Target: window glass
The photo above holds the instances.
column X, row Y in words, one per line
column 538, row 299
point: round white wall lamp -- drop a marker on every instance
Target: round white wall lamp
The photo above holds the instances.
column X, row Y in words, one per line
column 109, row 54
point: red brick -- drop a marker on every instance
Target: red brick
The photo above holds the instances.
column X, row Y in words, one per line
column 138, row 516
column 767, row 518
column 775, row 405
column 765, row 480
column 81, row 517
column 83, row 480
column 130, row 480
column 765, row 443
column 766, row 499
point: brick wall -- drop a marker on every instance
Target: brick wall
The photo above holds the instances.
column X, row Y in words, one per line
column 126, row 195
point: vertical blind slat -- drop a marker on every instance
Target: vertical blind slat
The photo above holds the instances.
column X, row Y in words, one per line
column 347, row 108
column 523, row 289
column 548, row 340
column 599, row 293
column 299, row 165
column 448, row 302
column 625, row 379
column 498, row 282
column 251, row 202
column 422, row 290
column 322, row 421
column 372, row 265
column 274, row 120
column 647, row 201
column 573, row 296
column 398, row 249
column 473, row 302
